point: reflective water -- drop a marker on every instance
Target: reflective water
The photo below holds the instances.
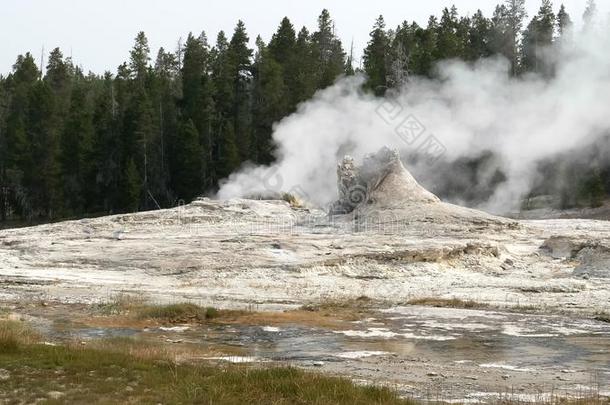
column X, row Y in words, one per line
column 416, row 346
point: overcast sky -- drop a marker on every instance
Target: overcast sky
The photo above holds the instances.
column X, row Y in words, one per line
column 99, row 34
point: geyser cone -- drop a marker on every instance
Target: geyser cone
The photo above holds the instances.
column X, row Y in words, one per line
column 398, row 187
column 382, row 190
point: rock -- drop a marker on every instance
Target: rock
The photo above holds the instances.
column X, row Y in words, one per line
column 561, row 247
column 594, row 261
column 352, row 191
column 508, row 264
column 55, row 394
column 4, row 374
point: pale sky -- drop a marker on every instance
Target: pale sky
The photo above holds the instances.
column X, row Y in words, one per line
column 99, row 34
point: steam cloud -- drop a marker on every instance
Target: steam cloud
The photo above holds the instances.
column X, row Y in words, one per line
column 469, row 108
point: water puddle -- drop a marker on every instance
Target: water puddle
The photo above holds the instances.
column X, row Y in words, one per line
column 465, row 354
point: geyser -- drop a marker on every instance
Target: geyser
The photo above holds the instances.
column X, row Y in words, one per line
column 381, row 190
column 471, row 108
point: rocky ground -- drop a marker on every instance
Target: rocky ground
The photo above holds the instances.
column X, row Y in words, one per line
column 265, row 252
column 393, row 247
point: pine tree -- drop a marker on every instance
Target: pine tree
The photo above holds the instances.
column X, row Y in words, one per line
column 59, row 77
column 187, row 162
column 4, row 189
column 448, row 43
column 240, row 69
column 18, row 144
column 375, row 58
column 515, row 15
column 76, row 145
column 304, row 69
column 590, row 13
column 546, row 24
column 270, row 102
column 140, row 125
column 41, row 171
column 104, row 177
column 197, row 102
column 24, row 77
column 165, row 99
column 564, row 22
column 428, row 39
column 327, row 51
column 401, row 50
column 281, row 46
column 222, row 99
column 228, row 160
column 284, row 50
column 500, row 40
column 538, row 37
column 479, row 37
column 131, row 187
column 349, row 62
column 140, row 57
column 194, row 68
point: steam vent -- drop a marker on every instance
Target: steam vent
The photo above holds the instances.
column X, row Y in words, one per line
column 382, row 187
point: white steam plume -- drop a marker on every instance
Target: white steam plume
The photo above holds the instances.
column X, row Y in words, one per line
column 470, row 108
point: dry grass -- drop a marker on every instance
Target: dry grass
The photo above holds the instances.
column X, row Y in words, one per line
column 178, row 313
column 125, row 310
column 129, row 311
column 14, row 334
column 121, row 304
column 362, row 302
column 447, row 303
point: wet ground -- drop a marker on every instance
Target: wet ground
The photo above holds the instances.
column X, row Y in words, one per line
column 429, row 353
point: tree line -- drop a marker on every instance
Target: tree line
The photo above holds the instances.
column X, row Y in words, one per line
column 168, row 128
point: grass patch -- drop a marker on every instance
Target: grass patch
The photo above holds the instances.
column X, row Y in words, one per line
column 121, row 304
column 351, row 309
column 447, row 303
column 178, row 313
column 124, row 371
column 530, row 308
column 14, row 334
column 127, row 311
column 362, row 302
column 134, row 308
